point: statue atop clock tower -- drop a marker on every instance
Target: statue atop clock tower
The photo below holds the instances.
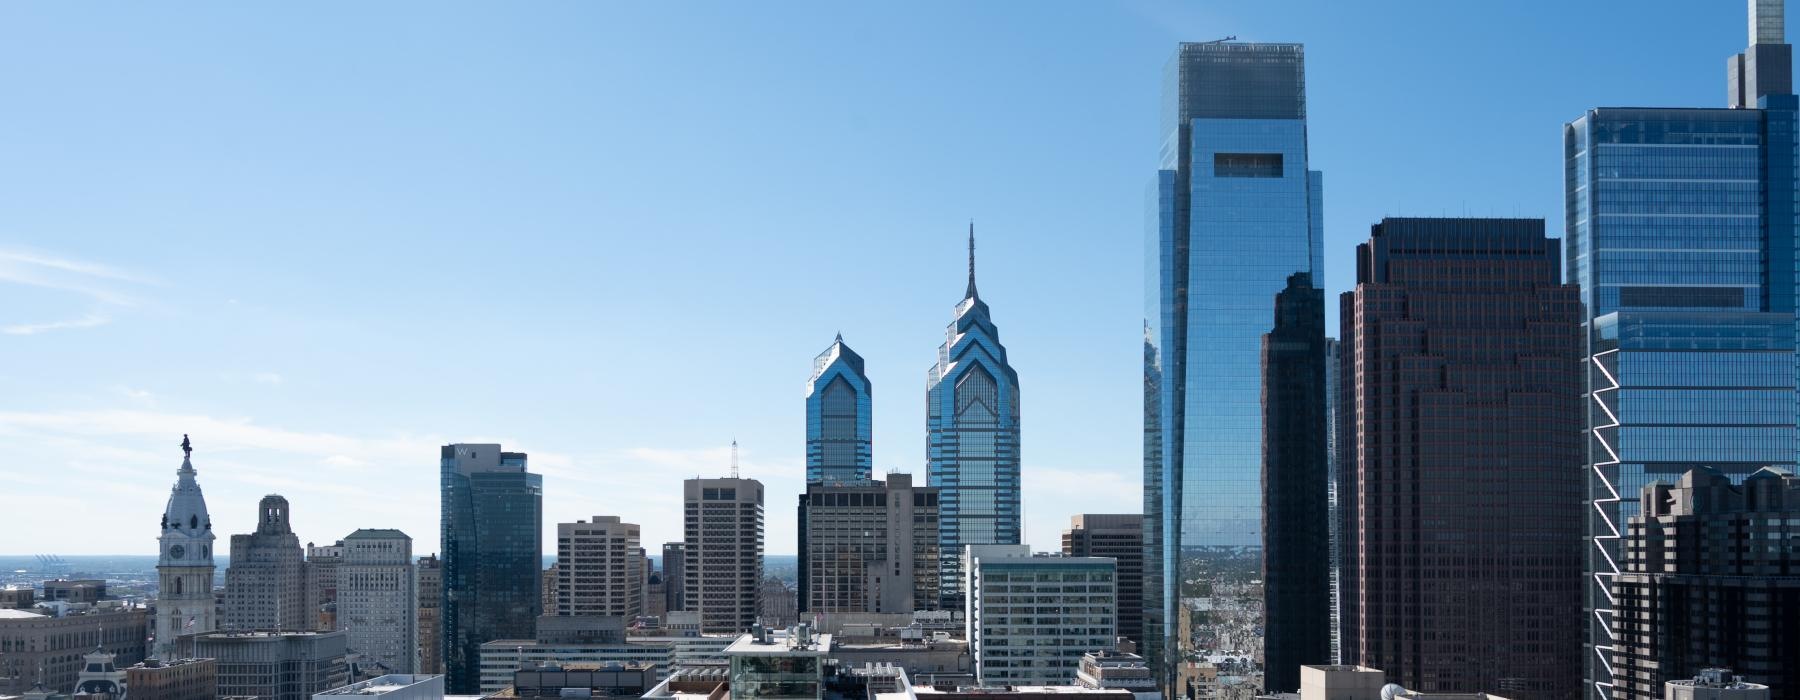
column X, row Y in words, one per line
column 184, row 603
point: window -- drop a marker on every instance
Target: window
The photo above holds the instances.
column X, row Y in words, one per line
column 1246, row 165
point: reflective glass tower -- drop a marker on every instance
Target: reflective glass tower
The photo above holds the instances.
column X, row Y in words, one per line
column 1235, row 212
column 838, row 398
column 972, row 437
column 1681, row 235
column 493, row 525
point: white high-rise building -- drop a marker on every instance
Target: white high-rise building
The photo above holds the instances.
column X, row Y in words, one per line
column 378, row 599
column 1072, row 610
column 184, row 568
column 598, row 571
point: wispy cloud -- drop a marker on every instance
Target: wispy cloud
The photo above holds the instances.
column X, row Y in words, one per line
column 267, row 378
column 217, row 434
column 79, row 267
column 336, row 481
column 706, row 461
column 103, row 286
column 88, row 321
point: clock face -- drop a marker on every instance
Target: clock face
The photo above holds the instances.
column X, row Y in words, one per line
column 177, row 551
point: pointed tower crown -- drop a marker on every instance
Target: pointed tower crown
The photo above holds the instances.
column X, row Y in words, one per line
column 186, row 512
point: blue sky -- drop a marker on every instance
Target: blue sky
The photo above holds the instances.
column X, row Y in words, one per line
column 326, row 238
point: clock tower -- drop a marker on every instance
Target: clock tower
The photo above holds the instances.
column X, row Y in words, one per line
column 184, row 604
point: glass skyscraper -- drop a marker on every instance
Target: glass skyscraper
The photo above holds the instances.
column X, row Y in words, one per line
column 493, row 524
column 972, row 441
column 1681, row 234
column 838, row 398
column 1236, row 211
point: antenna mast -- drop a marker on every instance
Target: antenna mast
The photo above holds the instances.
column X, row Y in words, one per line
column 734, row 462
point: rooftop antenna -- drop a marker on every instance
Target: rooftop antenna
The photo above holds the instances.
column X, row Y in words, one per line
column 734, row 462
column 1219, row 41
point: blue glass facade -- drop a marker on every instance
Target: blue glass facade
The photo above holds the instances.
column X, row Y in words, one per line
column 972, row 441
column 1680, row 233
column 1236, row 211
column 838, row 401
column 493, row 522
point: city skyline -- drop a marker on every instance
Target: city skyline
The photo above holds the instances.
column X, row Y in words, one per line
column 252, row 350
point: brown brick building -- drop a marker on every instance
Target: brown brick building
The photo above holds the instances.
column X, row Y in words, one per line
column 1461, row 455
column 186, row 679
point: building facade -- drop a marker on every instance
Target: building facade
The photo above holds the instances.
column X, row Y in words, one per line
column 1029, row 619
column 1296, row 514
column 492, row 544
column 1333, row 370
column 723, row 554
column 972, row 437
column 597, row 568
column 276, row 665
column 265, row 585
column 1680, row 231
column 183, row 679
column 868, row 547
column 184, row 564
column 1715, row 684
column 674, row 555
column 1711, row 580
column 395, row 686
column 566, row 640
column 378, row 599
column 1237, row 211
column 777, row 603
column 321, row 583
column 839, row 400
column 32, row 643
column 89, row 591
column 430, row 597
column 1119, row 537
column 1458, row 488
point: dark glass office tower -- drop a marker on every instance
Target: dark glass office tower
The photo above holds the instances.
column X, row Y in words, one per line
column 1462, row 374
column 1680, row 231
column 1296, row 518
column 1236, row 212
column 493, row 524
column 972, row 437
column 838, row 397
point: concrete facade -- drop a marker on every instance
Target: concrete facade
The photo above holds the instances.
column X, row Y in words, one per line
column 30, row 641
column 377, row 599
column 723, row 559
column 276, row 665
column 869, row 547
column 265, row 585
column 598, row 571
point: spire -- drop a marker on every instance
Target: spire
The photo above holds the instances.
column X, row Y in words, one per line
column 970, row 294
column 734, row 463
column 840, row 337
